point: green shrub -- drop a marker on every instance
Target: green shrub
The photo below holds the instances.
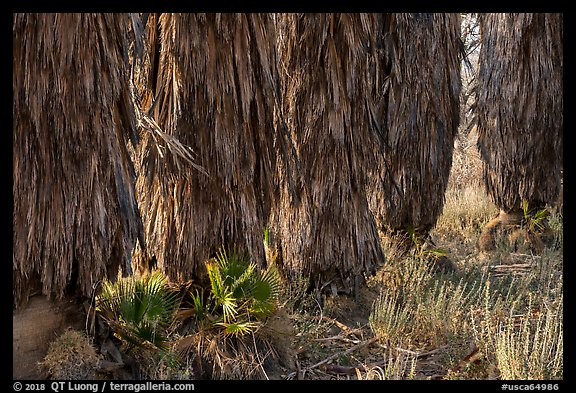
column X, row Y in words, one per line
column 532, row 347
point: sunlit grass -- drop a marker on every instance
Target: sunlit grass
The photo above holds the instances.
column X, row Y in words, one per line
column 508, row 305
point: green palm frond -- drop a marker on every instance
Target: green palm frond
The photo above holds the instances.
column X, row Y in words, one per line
column 243, row 286
column 266, row 291
column 139, row 309
column 216, row 282
column 231, row 265
column 239, row 292
column 200, row 306
column 534, row 220
column 238, row 328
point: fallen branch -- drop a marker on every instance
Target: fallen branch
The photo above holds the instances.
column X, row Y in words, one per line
column 342, row 370
column 351, row 370
column 334, row 322
column 516, row 254
column 511, row 267
column 300, row 373
column 342, row 337
column 417, row 355
column 344, row 353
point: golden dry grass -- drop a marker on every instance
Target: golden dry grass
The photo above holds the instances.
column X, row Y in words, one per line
column 71, row 356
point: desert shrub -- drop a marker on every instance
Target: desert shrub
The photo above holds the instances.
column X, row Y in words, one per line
column 71, row 357
column 531, row 347
column 421, row 309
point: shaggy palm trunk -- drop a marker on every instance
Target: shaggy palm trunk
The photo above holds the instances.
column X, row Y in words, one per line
column 418, row 108
column 324, row 228
column 214, row 82
column 519, row 107
column 75, row 215
column 520, row 112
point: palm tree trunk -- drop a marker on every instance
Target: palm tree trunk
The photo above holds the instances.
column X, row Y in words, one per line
column 75, row 215
column 519, row 105
column 418, row 107
column 520, row 108
column 215, row 84
column 324, row 227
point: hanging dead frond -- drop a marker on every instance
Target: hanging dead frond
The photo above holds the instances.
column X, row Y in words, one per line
column 519, row 104
column 418, row 96
column 212, row 80
column 328, row 231
column 75, row 216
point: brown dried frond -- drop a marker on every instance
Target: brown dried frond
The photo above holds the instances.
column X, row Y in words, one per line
column 325, row 65
column 214, row 89
column 220, row 356
column 419, row 113
column 519, row 104
column 75, row 216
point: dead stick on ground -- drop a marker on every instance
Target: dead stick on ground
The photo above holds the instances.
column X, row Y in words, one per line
column 332, row 321
column 351, row 370
column 418, row 355
column 513, row 266
column 341, row 336
column 344, row 353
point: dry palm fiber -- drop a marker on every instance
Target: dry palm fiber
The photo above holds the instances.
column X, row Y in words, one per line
column 418, row 108
column 519, row 107
column 146, row 62
column 215, row 92
column 327, row 234
column 75, row 215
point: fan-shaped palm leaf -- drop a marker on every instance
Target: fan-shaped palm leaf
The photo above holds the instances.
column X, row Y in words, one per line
column 139, row 309
column 239, row 292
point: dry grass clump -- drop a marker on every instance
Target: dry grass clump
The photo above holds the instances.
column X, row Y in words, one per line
column 71, row 357
column 466, row 210
column 499, row 315
column 467, row 205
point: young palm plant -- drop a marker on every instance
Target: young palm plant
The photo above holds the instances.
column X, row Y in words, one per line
column 240, row 295
column 535, row 219
column 139, row 309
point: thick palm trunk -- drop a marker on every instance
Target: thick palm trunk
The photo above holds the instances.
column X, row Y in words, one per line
column 519, row 107
column 75, row 215
column 324, row 227
column 520, row 116
column 419, row 116
column 215, row 86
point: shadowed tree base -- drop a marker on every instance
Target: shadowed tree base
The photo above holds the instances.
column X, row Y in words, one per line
column 404, row 243
column 515, row 229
